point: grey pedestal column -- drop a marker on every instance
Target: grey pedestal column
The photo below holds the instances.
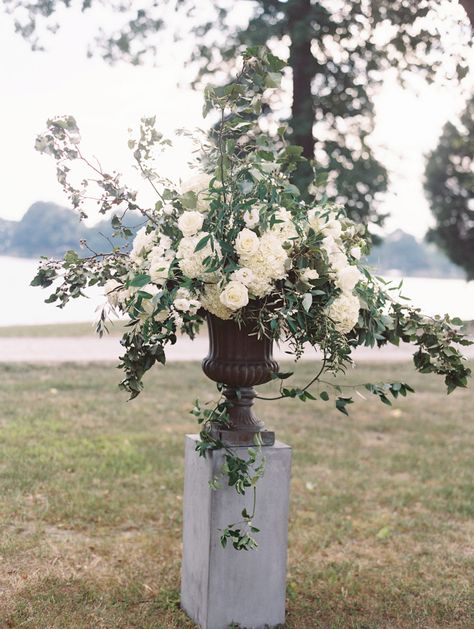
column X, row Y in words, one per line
column 220, row 586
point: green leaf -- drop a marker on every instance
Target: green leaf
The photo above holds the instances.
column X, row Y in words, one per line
column 307, row 301
column 189, row 200
column 140, row 280
column 202, row 243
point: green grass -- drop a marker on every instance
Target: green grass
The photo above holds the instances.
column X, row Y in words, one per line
column 382, row 504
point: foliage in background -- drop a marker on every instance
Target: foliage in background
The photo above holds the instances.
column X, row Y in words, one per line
column 338, row 53
column 50, row 229
column 403, row 255
column 449, row 185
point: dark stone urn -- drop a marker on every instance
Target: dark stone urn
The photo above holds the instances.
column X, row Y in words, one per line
column 240, row 360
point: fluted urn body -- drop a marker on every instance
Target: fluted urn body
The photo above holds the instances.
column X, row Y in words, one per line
column 240, row 360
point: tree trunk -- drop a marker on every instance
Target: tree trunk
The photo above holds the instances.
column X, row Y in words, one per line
column 302, row 64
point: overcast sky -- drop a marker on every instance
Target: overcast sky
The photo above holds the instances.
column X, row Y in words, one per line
column 106, row 101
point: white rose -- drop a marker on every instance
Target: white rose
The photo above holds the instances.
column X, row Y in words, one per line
column 356, row 252
column 309, row 274
column 246, row 243
column 190, row 222
column 234, row 296
column 252, row 217
column 344, row 311
column 347, row 278
column 243, row 275
column 111, row 291
column 182, row 304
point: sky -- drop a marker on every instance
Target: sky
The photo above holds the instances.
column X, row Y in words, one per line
column 107, row 101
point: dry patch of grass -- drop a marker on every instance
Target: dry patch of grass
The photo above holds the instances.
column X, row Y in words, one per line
column 381, row 526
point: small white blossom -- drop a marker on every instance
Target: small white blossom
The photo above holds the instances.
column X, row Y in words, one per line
column 112, row 292
column 252, row 217
column 182, row 304
column 356, row 252
column 309, row 274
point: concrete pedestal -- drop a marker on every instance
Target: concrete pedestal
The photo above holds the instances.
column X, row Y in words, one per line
column 221, row 586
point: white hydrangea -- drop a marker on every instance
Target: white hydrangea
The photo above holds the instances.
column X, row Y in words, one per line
column 190, row 261
column 210, row 300
column 243, row 275
column 142, row 243
column 234, row 296
column 344, row 311
column 190, row 222
column 268, row 263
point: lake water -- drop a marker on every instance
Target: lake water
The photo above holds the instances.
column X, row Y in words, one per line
column 22, row 304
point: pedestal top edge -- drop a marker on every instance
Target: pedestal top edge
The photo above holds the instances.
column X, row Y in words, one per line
column 278, row 445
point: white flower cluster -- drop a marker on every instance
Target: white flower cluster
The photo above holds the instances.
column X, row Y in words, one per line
column 190, row 261
column 344, row 310
column 142, row 243
column 265, row 258
column 266, row 251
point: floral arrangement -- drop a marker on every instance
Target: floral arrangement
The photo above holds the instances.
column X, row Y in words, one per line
column 239, row 240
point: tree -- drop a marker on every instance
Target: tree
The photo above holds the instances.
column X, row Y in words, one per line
column 338, row 52
column 449, row 185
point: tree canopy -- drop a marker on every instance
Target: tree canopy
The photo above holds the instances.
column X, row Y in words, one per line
column 338, row 53
column 450, row 188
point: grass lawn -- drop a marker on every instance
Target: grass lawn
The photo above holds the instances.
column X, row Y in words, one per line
column 381, row 525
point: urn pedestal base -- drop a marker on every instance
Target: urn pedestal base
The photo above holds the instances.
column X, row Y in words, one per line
column 221, row 586
column 240, row 359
